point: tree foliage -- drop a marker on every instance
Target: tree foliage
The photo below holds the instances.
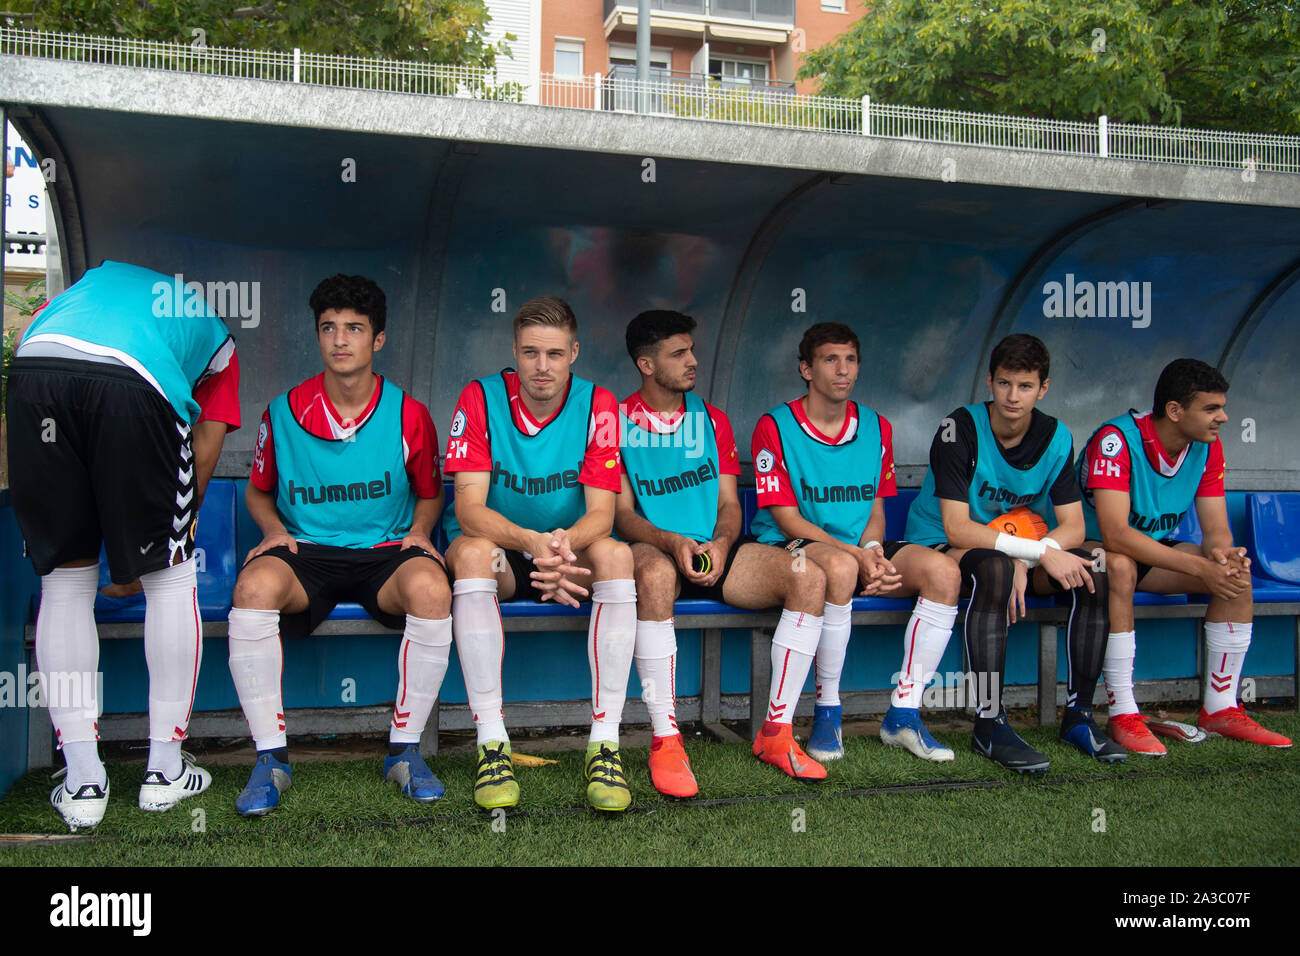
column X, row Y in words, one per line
column 435, row 31
column 1233, row 64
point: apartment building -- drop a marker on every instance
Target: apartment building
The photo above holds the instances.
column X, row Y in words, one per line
column 754, row 44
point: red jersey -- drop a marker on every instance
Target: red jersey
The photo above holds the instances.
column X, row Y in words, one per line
column 316, row 413
column 1115, row 471
column 217, row 391
column 766, row 436
column 641, row 414
column 469, row 447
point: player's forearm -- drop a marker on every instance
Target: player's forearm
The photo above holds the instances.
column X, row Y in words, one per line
column 480, row 521
column 425, row 518
column 261, row 508
column 875, row 529
column 632, row 527
column 207, row 439
column 1133, row 543
column 1210, row 541
column 597, row 523
column 964, row 533
column 727, row 528
column 1068, row 534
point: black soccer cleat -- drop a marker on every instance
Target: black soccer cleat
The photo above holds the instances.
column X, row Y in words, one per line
column 1078, row 730
column 996, row 740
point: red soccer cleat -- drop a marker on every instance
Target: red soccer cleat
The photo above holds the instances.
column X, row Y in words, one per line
column 1130, row 732
column 1233, row 722
column 670, row 771
column 775, row 744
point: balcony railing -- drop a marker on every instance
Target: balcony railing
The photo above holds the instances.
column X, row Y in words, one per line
column 691, row 96
column 780, row 12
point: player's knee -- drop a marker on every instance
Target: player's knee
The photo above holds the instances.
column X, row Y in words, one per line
column 258, row 588
column 943, row 579
column 611, row 559
column 655, row 576
column 471, row 557
column 993, row 573
column 841, row 577
column 425, row 593
column 1121, row 573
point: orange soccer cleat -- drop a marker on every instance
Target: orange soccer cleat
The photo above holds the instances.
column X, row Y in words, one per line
column 775, row 744
column 1233, row 722
column 1130, row 732
column 670, row 771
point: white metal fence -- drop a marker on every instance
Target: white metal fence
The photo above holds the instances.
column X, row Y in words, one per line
column 687, row 99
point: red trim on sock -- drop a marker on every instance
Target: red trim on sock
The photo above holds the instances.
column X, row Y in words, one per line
column 198, row 649
column 405, row 651
column 785, row 666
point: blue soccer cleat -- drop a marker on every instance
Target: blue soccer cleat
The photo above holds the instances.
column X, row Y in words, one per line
column 826, row 741
column 902, row 727
column 416, row 779
column 1078, row 730
column 261, row 794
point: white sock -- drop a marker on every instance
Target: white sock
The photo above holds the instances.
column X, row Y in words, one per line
column 656, row 665
column 173, row 650
column 84, row 765
column 924, row 642
column 793, row 647
column 67, row 660
column 611, row 641
column 481, row 646
column 256, row 663
column 165, row 755
column 421, row 666
column 832, row 648
column 1117, row 668
column 1225, row 652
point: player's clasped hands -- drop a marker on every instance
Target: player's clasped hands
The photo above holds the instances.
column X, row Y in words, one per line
column 556, row 564
column 876, row 573
column 273, row 541
column 1228, row 573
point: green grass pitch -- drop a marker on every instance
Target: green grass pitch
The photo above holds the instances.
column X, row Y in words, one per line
column 1220, row 802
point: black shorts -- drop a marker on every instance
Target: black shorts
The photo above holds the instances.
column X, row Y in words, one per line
column 890, row 548
column 96, row 454
column 1144, row 569
column 695, row 592
column 331, row 576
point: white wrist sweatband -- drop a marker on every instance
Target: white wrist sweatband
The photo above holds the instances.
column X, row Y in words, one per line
column 1028, row 551
column 1052, row 543
column 870, row 544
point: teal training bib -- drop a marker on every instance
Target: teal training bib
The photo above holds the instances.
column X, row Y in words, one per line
column 534, row 481
column 836, row 484
column 674, row 485
column 1157, row 504
column 161, row 327
column 348, row 494
column 996, row 487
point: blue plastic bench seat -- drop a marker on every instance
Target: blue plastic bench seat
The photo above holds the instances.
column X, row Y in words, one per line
column 1274, row 525
column 214, row 545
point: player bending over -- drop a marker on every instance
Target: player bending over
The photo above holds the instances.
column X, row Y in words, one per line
column 822, row 463
column 988, row 459
column 1132, row 504
column 345, row 488
column 681, row 510
column 535, row 455
column 118, row 407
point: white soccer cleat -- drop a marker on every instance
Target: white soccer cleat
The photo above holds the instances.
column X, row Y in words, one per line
column 1177, row 730
column 82, row 810
column 157, row 793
